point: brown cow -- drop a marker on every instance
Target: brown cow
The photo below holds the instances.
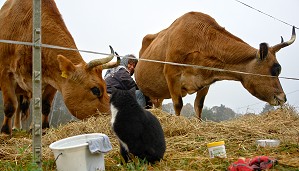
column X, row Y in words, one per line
column 81, row 83
column 196, row 38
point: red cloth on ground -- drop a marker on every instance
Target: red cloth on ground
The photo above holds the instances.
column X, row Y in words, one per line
column 257, row 163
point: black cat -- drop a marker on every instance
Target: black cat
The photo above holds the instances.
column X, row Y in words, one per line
column 139, row 132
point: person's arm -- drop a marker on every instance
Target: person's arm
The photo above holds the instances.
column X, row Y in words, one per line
column 126, row 79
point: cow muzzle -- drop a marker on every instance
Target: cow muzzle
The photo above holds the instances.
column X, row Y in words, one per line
column 279, row 99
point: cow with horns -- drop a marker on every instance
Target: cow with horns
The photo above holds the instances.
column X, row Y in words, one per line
column 196, row 39
column 81, row 84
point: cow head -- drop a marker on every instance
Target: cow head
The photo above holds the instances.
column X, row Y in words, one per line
column 266, row 88
column 84, row 90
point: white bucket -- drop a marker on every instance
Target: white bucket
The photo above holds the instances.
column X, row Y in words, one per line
column 73, row 153
column 217, row 149
column 268, row 143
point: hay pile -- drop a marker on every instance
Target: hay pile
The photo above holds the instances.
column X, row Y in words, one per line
column 186, row 140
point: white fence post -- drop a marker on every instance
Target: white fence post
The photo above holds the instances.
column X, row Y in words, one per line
column 36, row 83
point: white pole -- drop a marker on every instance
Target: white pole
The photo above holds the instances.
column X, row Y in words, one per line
column 36, row 83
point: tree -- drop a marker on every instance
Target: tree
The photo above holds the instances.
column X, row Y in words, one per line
column 168, row 108
column 188, row 111
column 218, row 113
column 207, row 114
column 267, row 108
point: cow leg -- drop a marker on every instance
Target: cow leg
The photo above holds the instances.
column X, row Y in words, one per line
column 177, row 104
column 47, row 99
column 22, row 112
column 24, row 107
column 157, row 103
column 148, row 103
column 10, row 103
column 10, row 106
column 199, row 101
column 17, row 124
column 174, row 86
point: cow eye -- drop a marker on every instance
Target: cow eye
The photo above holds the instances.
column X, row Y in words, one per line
column 276, row 69
column 96, row 91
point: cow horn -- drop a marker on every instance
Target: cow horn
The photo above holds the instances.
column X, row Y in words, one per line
column 101, row 61
column 281, row 39
column 112, row 64
column 283, row 44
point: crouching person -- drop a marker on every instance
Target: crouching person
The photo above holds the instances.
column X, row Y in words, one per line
column 120, row 78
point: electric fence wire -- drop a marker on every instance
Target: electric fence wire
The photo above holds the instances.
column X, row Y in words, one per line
column 146, row 60
column 249, row 6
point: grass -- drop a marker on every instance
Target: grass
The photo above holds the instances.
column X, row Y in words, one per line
column 186, row 141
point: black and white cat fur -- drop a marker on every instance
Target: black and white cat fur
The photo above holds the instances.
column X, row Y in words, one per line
column 139, row 132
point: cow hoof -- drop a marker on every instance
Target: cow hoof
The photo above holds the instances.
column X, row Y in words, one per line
column 6, row 130
column 17, row 129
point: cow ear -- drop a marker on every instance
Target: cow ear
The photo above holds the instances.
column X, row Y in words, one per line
column 263, row 51
column 66, row 66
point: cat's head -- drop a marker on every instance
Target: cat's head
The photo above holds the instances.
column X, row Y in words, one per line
column 118, row 96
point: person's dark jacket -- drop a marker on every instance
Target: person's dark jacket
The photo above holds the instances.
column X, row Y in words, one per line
column 120, row 80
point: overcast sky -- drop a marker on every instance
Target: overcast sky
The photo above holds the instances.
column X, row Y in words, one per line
column 95, row 24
